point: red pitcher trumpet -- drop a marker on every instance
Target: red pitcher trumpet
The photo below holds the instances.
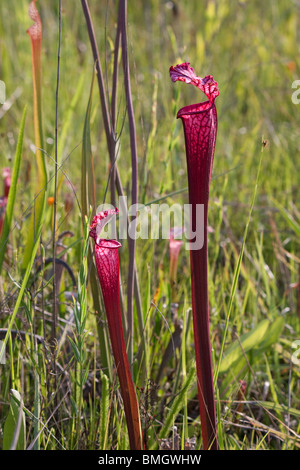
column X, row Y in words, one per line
column 107, row 263
column 200, row 130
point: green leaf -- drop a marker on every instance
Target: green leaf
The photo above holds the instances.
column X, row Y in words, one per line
column 12, row 424
column 246, row 342
column 37, row 411
column 271, row 336
column 280, row 408
column 75, row 350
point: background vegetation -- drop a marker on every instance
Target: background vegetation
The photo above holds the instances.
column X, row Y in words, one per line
column 251, row 49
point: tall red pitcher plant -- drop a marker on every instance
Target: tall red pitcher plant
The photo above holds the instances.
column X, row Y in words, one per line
column 107, row 263
column 200, row 130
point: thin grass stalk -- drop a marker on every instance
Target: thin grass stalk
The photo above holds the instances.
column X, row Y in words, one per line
column 113, row 116
column 183, row 363
column 103, row 100
column 54, row 313
column 37, row 404
column 104, row 411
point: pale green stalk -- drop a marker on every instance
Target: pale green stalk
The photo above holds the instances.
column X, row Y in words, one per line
column 38, row 211
column 12, row 192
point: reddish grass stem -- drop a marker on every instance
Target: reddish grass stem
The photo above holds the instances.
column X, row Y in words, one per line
column 109, row 125
column 134, row 172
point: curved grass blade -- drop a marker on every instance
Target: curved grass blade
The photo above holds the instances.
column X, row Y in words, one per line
column 23, row 286
column 14, row 433
column 177, row 404
column 12, row 192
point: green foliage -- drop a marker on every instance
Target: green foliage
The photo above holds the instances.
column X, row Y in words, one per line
column 12, row 192
column 250, row 347
column 177, row 404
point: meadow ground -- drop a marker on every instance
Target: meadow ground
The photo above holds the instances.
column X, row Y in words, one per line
column 70, row 400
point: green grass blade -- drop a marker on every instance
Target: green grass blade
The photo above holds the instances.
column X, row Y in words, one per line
column 294, row 225
column 68, row 121
column 12, row 192
column 22, row 287
column 37, row 410
column 104, row 412
column 67, row 125
column 177, row 404
column 236, row 274
column 14, row 433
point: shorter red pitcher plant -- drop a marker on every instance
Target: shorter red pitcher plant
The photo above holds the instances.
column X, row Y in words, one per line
column 107, row 263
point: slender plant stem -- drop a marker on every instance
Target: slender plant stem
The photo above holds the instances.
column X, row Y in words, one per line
column 54, row 319
column 54, row 313
column 113, row 114
column 104, row 106
column 115, row 79
column 108, row 132
column 134, row 174
column 101, row 86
